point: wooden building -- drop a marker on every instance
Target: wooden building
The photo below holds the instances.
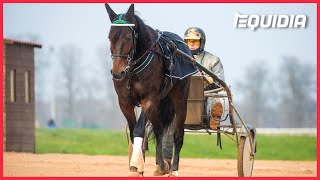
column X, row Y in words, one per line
column 18, row 95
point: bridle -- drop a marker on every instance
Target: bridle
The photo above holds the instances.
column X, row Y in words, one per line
column 129, row 67
column 121, row 22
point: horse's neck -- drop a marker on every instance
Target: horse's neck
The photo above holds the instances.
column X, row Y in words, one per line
column 144, row 43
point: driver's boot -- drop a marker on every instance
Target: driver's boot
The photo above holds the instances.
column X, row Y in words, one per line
column 216, row 113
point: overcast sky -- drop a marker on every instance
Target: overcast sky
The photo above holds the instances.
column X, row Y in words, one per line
column 87, row 26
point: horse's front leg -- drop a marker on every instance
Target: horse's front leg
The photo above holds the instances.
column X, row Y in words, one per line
column 128, row 111
column 137, row 160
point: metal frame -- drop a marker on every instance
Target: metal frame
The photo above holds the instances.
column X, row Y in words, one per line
column 234, row 128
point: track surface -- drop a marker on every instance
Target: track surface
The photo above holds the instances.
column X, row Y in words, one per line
column 26, row 164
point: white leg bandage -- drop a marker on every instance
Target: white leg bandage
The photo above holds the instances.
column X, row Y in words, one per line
column 137, row 157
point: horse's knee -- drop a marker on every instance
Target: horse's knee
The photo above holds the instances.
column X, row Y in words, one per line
column 138, row 133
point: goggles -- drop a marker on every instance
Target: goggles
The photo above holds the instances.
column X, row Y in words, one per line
column 195, row 42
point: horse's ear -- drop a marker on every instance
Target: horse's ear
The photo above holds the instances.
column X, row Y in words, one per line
column 130, row 13
column 111, row 13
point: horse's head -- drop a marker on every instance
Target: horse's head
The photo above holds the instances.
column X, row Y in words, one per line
column 123, row 39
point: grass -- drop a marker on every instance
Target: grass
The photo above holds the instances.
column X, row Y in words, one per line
column 106, row 142
column 81, row 141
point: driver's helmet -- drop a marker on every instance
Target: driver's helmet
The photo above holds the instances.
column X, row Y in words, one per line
column 196, row 33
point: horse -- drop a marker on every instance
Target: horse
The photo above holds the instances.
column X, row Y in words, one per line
column 138, row 74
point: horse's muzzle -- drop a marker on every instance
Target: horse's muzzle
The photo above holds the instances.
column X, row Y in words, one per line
column 118, row 75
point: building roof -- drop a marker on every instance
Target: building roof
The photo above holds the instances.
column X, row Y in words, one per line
column 14, row 41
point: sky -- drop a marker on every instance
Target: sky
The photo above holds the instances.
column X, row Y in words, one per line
column 87, row 26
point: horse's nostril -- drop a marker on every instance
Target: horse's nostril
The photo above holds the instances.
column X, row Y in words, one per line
column 118, row 75
column 111, row 71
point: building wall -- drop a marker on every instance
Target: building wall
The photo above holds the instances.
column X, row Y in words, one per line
column 4, row 98
column 20, row 115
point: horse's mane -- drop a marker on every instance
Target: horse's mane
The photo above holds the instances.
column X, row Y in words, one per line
column 145, row 36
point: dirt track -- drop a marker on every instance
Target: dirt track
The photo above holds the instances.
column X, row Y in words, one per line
column 25, row 164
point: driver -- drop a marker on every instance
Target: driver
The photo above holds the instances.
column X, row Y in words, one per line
column 196, row 40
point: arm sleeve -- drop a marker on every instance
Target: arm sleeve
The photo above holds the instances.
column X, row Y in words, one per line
column 217, row 69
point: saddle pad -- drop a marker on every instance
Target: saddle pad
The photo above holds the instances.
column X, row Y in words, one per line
column 181, row 68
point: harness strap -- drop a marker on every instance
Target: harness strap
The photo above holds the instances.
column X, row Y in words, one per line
column 150, row 54
column 147, row 60
column 144, row 64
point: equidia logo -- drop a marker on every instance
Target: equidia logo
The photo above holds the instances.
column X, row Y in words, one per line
column 269, row 21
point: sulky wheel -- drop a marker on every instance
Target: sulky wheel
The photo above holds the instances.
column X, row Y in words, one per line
column 245, row 159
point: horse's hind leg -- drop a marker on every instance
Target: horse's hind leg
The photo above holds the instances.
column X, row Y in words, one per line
column 178, row 142
column 162, row 167
column 180, row 104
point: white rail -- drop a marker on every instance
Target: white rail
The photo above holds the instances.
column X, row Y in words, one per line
column 292, row 131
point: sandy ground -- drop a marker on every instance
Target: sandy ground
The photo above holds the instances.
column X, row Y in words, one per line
column 26, row 164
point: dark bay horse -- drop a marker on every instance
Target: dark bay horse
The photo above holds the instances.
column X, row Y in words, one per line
column 139, row 79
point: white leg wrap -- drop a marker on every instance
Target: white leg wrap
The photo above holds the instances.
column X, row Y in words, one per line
column 137, row 157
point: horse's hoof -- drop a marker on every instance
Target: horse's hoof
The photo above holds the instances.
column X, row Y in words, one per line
column 141, row 174
column 160, row 172
column 134, row 172
column 167, row 165
column 173, row 174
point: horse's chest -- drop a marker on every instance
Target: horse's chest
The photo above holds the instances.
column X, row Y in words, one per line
column 139, row 87
column 142, row 89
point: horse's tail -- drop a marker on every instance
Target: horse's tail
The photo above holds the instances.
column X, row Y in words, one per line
column 167, row 112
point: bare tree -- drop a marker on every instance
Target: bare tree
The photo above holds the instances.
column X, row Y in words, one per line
column 89, row 98
column 70, row 61
column 297, row 96
column 112, row 114
column 255, row 90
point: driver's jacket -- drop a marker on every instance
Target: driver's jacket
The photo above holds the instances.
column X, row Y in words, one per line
column 212, row 63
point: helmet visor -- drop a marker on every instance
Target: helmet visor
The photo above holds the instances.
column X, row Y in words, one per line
column 195, row 42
